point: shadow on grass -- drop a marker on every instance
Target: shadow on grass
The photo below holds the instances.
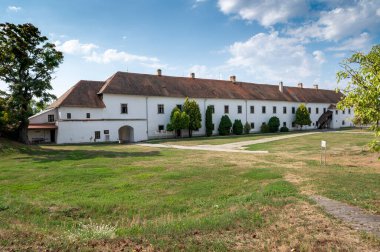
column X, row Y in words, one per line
column 38, row 154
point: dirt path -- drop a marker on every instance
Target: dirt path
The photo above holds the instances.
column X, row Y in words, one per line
column 356, row 217
column 230, row 147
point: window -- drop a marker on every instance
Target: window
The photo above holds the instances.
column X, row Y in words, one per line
column 309, row 109
column 324, row 110
column 179, row 106
column 212, row 109
column 106, row 132
column 343, row 111
column 97, row 134
column 239, row 109
column 88, row 115
column 252, row 125
column 317, row 110
column 50, row 118
column 284, row 124
column 68, row 115
column 160, row 127
column 160, row 108
column 263, row 123
column 124, row 108
column 263, row 109
column 293, row 124
column 274, row 109
column 226, row 109
column 284, row 110
column 252, row 109
column 349, row 111
column 316, row 123
column 336, row 112
column 343, row 122
column 293, row 110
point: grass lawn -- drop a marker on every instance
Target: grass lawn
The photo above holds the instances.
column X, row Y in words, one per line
column 108, row 197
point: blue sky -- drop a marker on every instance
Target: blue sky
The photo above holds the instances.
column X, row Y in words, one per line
column 258, row 41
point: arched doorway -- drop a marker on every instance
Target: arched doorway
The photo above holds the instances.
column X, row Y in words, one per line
column 126, row 134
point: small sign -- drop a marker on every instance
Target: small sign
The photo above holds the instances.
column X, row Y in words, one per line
column 323, row 144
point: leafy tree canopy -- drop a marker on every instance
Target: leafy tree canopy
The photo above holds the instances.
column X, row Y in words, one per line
column 27, row 62
column 362, row 71
column 302, row 116
column 191, row 108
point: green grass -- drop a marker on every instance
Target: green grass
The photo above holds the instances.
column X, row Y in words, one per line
column 72, row 195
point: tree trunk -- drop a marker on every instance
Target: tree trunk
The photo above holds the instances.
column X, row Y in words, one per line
column 190, row 133
column 23, row 132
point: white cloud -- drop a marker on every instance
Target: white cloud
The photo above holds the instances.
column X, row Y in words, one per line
column 341, row 22
column 90, row 52
column 354, row 44
column 14, row 9
column 272, row 58
column 113, row 55
column 319, row 56
column 197, row 3
column 267, row 12
column 75, row 47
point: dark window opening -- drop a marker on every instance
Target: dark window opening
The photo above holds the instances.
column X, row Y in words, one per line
column 179, row 106
column 252, row 125
column 284, row 110
column 274, row 109
column 336, row 112
column 293, row 110
column 252, row 109
column 124, row 108
column 88, row 115
column 309, row 110
column 263, row 109
column 160, row 109
column 239, row 109
column 324, row 110
column 161, row 127
column 317, row 110
column 106, row 132
column 293, row 124
column 97, row 134
column 284, row 124
column 68, row 115
column 50, row 118
column 226, row 109
column 212, row 109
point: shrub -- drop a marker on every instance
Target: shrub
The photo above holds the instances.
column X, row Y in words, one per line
column 247, row 128
column 237, row 128
column 225, row 126
column 284, row 129
column 264, row 128
column 302, row 116
column 273, row 124
column 209, row 124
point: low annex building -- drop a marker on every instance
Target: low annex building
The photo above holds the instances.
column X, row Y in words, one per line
column 132, row 107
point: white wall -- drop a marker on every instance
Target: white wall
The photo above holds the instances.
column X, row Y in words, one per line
column 42, row 117
column 84, row 131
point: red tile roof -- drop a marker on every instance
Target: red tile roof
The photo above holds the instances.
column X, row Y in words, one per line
column 87, row 93
column 82, row 94
column 42, row 126
column 153, row 85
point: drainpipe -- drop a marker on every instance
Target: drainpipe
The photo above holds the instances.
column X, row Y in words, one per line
column 146, row 116
column 246, row 111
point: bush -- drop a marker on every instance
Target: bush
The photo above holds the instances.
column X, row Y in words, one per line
column 273, row 124
column 225, row 126
column 209, row 124
column 284, row 129
column 237, row 128
column 169, row 127
column 264, row 128
column 247, row 128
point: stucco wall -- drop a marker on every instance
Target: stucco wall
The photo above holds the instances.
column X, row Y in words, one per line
column 43, row 116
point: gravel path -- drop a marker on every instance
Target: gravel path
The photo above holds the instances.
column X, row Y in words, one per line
column 356, row 217
column 230, row 147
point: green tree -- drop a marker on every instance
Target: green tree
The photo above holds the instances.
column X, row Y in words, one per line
column 27, row 62
column 225, row 126
column 362, row 71
column 274, row 124
column 191, row 108
column 264, row 128
column 237, row 128
column 209, row 124
column 247, row 128
column 178, row 121
column 302, row 116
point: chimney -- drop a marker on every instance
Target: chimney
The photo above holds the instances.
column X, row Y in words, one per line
column 233, row 78
column 300, row 85
column 192, row 75
column 281, row 87
column 159, row 72
column 315, row 86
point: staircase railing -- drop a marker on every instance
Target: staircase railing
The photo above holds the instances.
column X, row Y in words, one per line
column 324, row 119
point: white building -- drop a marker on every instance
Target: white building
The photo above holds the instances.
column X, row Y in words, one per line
column 135, row 107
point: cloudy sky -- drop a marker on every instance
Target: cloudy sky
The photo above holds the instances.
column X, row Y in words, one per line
column 258, row 41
